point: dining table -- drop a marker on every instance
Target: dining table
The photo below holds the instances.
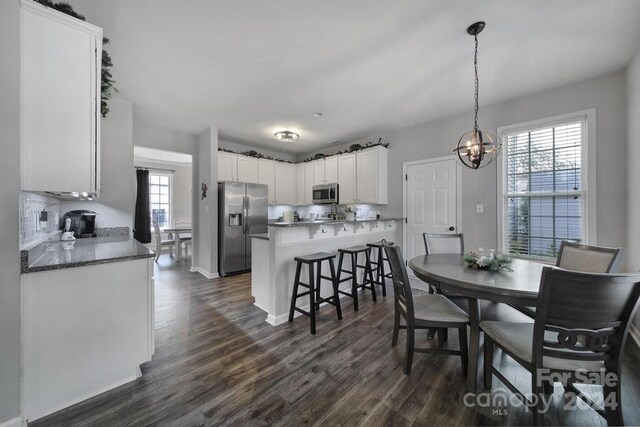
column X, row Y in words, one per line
column 449, row 272
column 176, row 231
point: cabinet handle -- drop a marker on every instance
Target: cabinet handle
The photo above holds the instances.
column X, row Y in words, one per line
column 324, row 231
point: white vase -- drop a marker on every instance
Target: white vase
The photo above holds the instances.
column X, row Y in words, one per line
column 350, row 216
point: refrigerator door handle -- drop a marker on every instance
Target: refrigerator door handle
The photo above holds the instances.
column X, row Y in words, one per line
column 245, row 206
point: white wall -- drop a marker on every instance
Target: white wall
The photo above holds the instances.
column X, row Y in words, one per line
column 633, row 171
column 10, row 179
column 435, row 139
column 239, row 148
column 116, row 205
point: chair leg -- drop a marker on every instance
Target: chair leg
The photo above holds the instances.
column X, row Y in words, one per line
column 536, row 388
column 464, row 357
column 294, row 294
column 409, row 349
column 312, row 302
column 382, row 277
column 613, row 402
column 396, row 328
column 354, row 281
column 440, row 335
column 368, row 272
column 318, row 284
column 488, row 362
column 336, row 296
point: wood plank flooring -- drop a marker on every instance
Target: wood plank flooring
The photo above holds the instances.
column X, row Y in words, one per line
column 218, row 363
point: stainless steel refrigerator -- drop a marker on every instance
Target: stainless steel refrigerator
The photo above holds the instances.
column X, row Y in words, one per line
column 242, row 210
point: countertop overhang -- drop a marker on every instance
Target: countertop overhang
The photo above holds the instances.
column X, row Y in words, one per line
column 328, row 222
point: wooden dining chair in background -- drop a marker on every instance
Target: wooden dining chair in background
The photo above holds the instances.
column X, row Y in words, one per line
column 435, row 243
column 570, row 305
column 423, row 311
column 161, row 244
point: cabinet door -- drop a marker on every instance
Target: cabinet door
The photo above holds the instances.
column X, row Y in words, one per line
column 267, row 176
column 318, row 172
column 247, row 169
column 227, row 166
column 300, row 187
column 285, row 183
column 308, row 183
column 347, row 178
column 367, row 176
column 331, row 169
column 60, row 97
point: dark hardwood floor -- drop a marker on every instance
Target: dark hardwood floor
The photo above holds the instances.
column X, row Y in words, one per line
column 218, row 362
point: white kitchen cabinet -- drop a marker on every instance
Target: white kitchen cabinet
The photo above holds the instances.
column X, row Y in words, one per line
column 331, row 169
column 347, row 178
column 267, row 176
column 285, row 193
column 303, row 194
column 247, row 169
column 227, row 166
column 318, row 172
column 371, row 176
column 60, row 101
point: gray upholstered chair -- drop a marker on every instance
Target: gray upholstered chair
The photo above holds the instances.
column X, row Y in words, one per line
column 571, row 305
column 443, row 243
column 423, row 311
column 162, row 244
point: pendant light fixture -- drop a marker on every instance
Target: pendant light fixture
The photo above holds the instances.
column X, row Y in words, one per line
column 477, row 148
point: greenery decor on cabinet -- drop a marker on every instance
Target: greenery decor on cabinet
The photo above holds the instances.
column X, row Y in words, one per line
column 253, row 153
column 107, row 82
column 352, row 149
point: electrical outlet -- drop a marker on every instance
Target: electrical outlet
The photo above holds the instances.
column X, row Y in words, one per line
column 479, row 208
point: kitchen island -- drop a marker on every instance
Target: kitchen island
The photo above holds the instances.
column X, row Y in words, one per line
column 273, row 267
column 87, row 316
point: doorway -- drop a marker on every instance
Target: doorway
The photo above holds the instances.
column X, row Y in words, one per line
column 431, row 201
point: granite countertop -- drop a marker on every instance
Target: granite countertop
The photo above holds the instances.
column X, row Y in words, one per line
column 53, row 255
column 328, row 221
column 263, row 236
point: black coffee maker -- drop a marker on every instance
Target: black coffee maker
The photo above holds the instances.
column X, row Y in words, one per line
column 83, row 223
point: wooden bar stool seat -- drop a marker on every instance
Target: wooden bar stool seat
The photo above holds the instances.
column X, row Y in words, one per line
column 314, row 264
column 367, row 279
column 377, row 262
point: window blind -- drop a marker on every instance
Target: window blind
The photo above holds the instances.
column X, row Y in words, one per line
column 543, row 192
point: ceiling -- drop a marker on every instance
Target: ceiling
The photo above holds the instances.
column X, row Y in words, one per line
column 253, row 67
column 160, row 156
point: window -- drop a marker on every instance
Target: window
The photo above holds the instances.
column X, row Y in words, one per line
column 160, row 199
column 544, row 195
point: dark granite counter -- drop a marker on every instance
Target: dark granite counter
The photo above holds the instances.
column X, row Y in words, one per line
column 327, row 221
column 53, row 255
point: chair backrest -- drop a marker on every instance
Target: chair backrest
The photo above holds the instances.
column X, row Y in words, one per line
column 156, row 231
column 443, row 243
column 401, row 284
column 589, row 259
column 588, row 313
column 182, row 222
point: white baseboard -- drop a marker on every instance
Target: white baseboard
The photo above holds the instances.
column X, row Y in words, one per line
column 204, row 272
column 284, row 318
column 635, row 334
column 15, row 422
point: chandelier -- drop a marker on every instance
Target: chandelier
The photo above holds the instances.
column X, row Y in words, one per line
column 477, row 148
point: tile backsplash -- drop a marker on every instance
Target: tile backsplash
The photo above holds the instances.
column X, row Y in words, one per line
column 277, row 211
column 32, row 230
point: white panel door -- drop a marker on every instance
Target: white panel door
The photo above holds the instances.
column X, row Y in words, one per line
column 247, row 169
column 347, row 178
column 431, row 202
column 367, row 176
column 267, row 176
column 227, row 167
column 285, row 183
column 331, row 169
column 318, row 172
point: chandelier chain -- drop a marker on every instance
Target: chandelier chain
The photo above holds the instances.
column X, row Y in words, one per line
column 475, row 66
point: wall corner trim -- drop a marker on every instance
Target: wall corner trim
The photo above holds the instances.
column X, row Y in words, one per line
column 14, row 422
column 202, row 271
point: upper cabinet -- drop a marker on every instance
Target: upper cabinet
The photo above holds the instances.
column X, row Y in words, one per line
column 347, row 178
column 267, row 176
column 325, row 171
column 285, row 184
column 371, row 176
column 60, row 101
column 304, row 183
column 234, row 167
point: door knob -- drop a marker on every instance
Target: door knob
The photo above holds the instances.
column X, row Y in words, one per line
column 452, row 228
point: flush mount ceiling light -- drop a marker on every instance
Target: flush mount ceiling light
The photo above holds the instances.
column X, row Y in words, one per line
column 318, row 115
column 286, row 136
column 477, row 148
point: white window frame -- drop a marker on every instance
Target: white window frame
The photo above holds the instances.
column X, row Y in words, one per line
column 588, row 171
column 170, row 176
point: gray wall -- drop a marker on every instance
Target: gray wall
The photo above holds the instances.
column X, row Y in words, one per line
column 435, row 139
column 633, row 171
column 117, row 176
column 205, row 211
column 10, row 179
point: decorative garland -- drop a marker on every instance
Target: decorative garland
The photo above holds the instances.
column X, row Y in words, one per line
column 255, row 154
column 497, row 263
column 107, row 81
column 352, row 149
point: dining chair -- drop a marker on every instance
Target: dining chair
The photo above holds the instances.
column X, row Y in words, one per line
column 162, row 244
column 443, row 243
column 570, row 304
column 423, row 311
column 587, row 259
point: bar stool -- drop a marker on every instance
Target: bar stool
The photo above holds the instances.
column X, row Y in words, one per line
column 314, row 261
column 353, row 252
column 380, row 259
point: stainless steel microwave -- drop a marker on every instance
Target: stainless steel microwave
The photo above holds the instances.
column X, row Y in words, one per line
column 325, row 194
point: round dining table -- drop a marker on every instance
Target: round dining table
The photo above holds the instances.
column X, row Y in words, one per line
column 450, row 273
